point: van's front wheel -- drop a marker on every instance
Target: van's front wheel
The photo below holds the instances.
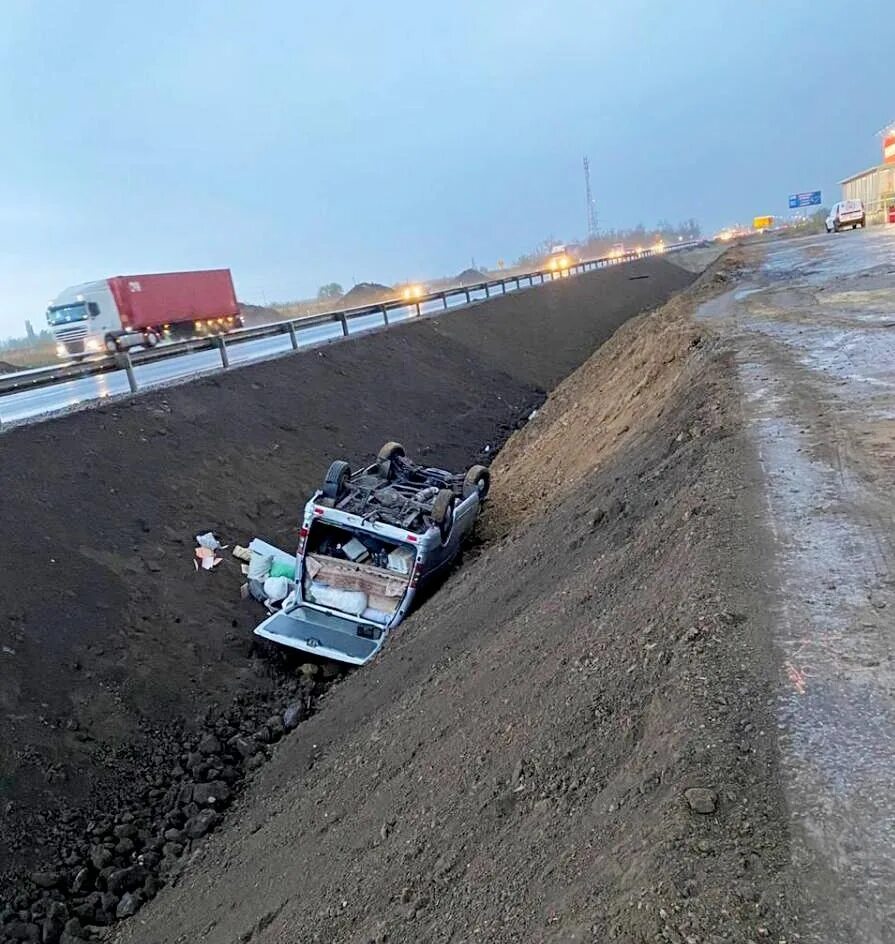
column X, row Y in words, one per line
column 478, row 479
column 443, row 513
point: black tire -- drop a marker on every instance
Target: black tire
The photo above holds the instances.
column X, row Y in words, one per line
column 150, row 339
column 111, row 345
column 477, row 479
column 336, row 480
column 391, row 450
column 386, row 456
column 443, row 512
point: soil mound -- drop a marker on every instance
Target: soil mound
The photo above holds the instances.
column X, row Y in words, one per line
column 573, row 741
column 366, row 293
column 471, row 276
column 554, row 331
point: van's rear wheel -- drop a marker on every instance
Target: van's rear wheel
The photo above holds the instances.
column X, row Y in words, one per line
column 336, row 480
column 477, row 479
column 389, row 452
column 443, row 512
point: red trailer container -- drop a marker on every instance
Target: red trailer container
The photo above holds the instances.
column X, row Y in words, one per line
column 163, row 300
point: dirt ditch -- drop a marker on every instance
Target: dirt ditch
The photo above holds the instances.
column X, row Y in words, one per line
column 126, row 678
column 575, row 741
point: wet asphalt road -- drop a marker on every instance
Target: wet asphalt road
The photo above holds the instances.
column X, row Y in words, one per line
column 31, row 403
column 813, row 327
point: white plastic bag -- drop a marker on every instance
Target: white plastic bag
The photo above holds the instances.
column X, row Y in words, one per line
column 353, row 602
column 276, row 589
column 259, row 566
column 208, row 540
column 400, row 560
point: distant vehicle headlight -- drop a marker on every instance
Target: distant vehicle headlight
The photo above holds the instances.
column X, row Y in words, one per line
column 93, row 344
column 60, row 350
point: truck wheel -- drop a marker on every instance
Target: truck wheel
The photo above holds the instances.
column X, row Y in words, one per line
column 443, row 513
column 150, row 339
column 336, row 479
column 478, row 479
column 111, row 345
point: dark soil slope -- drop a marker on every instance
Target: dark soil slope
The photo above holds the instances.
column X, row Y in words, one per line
column 572, row 742
column 543, row 343
column 107, row 630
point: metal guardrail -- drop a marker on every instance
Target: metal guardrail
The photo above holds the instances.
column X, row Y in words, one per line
column 126, row 361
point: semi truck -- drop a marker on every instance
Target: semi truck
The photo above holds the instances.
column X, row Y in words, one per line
column 127, row 311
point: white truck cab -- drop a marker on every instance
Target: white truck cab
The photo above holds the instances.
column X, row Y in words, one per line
column 81, row 317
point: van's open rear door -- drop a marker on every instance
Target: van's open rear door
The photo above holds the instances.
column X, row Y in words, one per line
column 322, row 634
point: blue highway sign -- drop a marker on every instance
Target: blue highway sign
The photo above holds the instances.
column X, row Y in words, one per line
column 811, row 198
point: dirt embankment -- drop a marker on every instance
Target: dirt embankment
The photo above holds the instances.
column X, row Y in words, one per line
column 574, row 741
column 113, row 644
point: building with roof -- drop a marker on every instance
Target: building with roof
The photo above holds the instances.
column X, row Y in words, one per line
column 875, row 187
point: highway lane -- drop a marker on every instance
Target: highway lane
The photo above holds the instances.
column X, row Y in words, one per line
column 15, row 407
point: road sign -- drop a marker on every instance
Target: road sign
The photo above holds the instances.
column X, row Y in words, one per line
column 763, row 222
column 809, row 199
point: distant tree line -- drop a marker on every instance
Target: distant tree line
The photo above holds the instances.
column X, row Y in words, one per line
column 605, row 240
column 16, row 344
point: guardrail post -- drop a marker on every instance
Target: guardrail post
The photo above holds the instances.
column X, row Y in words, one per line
column 503, row 287
column 344, row 321
column 293, row 337
column 221, row 345
column 467, row 297
column 487, row 291
column 123, row 360
column 444, row 300
column 417, row 306
column 531, row 280
column 385, row 315
column 517, row 283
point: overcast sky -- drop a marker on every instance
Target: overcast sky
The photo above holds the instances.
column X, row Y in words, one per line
column 301, row 143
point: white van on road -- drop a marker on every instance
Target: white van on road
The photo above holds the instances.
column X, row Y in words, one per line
column 845, row 213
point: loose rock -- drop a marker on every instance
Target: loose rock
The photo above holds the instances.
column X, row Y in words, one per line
column 701, row 799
